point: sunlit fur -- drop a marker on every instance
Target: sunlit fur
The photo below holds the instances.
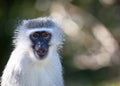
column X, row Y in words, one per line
column 24, row 68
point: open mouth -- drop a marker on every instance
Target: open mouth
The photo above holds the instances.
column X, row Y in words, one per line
column 41, row 52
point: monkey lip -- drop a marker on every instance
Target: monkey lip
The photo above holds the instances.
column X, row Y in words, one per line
column 41, row 52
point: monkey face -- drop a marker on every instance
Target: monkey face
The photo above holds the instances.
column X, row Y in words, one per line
column 40, row 43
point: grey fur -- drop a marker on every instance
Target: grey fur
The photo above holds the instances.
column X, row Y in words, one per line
column 40, row 24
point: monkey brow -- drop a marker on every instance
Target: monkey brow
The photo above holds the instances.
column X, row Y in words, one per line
column 40, row 24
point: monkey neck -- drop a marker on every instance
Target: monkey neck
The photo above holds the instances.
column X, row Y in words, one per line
column 21, row 71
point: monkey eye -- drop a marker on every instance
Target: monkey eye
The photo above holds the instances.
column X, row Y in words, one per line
column 35, row 35
column 45, row 34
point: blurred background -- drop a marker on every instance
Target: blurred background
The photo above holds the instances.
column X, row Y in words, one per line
column 91, row 54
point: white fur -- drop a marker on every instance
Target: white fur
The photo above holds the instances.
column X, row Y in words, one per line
column 24, row 69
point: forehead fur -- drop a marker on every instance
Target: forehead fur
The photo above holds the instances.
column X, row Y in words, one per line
column 40, row 23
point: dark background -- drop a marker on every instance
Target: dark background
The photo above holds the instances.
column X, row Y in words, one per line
column 13, row 11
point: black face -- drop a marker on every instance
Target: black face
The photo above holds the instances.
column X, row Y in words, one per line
column 40, row 42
